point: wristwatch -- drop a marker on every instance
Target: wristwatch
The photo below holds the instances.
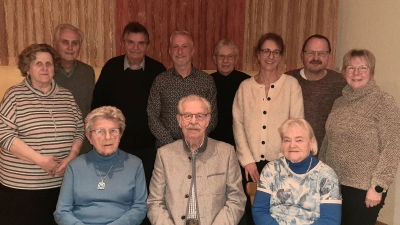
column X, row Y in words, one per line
column 378, row 189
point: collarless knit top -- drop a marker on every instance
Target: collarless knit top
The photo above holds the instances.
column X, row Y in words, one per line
column 362, row 138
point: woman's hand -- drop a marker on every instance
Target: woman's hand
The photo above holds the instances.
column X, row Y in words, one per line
column 49, row 164
column 62, row 166
column 251, row 169
column 372, row 198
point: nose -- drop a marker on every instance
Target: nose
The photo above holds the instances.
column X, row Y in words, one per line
column 107, row 135
column 179, row 50
column 292, row 144
column 70, row 45
column 225, row 59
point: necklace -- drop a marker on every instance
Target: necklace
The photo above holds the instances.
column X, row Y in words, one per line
column 309, row 166
column 101, row 185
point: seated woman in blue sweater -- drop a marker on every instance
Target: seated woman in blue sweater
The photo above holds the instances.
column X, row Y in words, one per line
column 297, row 188
column 105, row 185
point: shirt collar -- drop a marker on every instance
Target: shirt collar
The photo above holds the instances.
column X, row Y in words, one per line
column 126, row 64
column 68, row 74
column 201, row 149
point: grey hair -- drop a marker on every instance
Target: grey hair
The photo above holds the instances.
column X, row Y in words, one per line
column 105, row 112
column 181, row 32
column 194, row 98
column 302, row 123
column 67, row 26
column 226, row 42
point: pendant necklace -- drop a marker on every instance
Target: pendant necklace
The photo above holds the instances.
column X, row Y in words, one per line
column 101, row 185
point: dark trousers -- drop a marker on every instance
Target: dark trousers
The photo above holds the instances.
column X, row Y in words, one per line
column 28, row 207
column 247, row 213
column 354, row 211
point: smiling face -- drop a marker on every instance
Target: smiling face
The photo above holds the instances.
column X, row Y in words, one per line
column 107, row 144
column 41, row 70
column 269, row 62
column 193, row 129
column 357, row 79
column 135, row 46
column 68, row 45
column 225, row 60
column 314, row 63
column 181, row 50
column 296, row 143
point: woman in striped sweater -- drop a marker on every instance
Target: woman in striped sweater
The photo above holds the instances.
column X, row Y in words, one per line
column 41, row 130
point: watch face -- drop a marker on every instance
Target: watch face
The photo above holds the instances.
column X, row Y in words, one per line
column 379, row 189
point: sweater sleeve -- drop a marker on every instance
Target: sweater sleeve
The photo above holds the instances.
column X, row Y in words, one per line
column 260, row 209
column 138, row 210
column 242, row 146
column 63, row 214
column 330, row 214
column 153, row 112
column 8, row 127
column 388, row 126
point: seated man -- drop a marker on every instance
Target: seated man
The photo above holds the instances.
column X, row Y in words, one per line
column 196, row 180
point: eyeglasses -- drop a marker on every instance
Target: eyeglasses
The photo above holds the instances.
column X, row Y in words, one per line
column 267, row 52
column 352, row 69
column 319, row 53
column 102, row 132
column 223, row 57
column 199, row 116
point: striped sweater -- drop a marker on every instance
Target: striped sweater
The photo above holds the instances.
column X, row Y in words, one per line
column 48, row 123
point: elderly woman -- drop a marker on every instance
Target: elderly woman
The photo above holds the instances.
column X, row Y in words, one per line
column 105, row 185
column 362, row 140
column 262, row 103
column 297, row 188
column 41, row 130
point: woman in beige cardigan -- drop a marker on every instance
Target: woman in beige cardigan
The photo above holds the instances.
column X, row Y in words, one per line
column 262, row 103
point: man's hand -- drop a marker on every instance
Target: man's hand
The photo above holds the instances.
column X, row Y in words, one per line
column 251, row 169
column 372, row 198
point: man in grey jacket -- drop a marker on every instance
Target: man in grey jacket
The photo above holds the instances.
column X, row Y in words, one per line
column 196, row 180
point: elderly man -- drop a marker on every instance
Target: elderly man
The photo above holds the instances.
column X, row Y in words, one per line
column 74, row 75
column 320, row 86
column 196, row 180
column 183, row 79
column 125, row 83
column 227, row 81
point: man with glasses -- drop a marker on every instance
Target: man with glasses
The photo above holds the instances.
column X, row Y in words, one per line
column 196, row 180
column 227, row 81
column 170, row 86
column 320, row 86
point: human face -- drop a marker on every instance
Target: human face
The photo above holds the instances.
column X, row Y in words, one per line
column 225, row 60
column 181, row 50
column 41, row 70
column 135, row 46
column 357, row 79
column 193, row 129
column 107, row 144
column 68, row 45
column 269, row 62
column 296, row 144
column 314, row 63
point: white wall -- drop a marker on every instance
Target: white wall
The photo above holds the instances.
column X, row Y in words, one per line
column 375, row 25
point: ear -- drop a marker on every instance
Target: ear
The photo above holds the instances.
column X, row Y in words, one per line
column 215, row 59
column 179, row 120
column 89, row 137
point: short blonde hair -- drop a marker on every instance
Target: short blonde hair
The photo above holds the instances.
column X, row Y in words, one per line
column 226, row 42
column 362, row 53
column 302, row 123
column 194, row 98
column 181, row 32
column 105, row 112
column 67, row 26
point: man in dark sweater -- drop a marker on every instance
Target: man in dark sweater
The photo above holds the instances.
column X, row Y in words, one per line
column 125, row 83
column 227, row 81
column 74, row 75
column 320, row 86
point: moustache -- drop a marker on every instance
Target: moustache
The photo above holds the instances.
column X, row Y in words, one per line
column 316, row 61
column 193, row 127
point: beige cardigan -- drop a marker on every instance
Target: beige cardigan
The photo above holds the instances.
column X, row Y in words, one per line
column 257, row 117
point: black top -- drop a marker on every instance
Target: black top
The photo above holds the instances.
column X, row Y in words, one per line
column 226, row 91
column 128, row 91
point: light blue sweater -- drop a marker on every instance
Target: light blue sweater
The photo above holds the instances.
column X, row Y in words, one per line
column 123, row 200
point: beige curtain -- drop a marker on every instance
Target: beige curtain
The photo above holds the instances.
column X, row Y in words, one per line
column 33, row 21
column 294, row 20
